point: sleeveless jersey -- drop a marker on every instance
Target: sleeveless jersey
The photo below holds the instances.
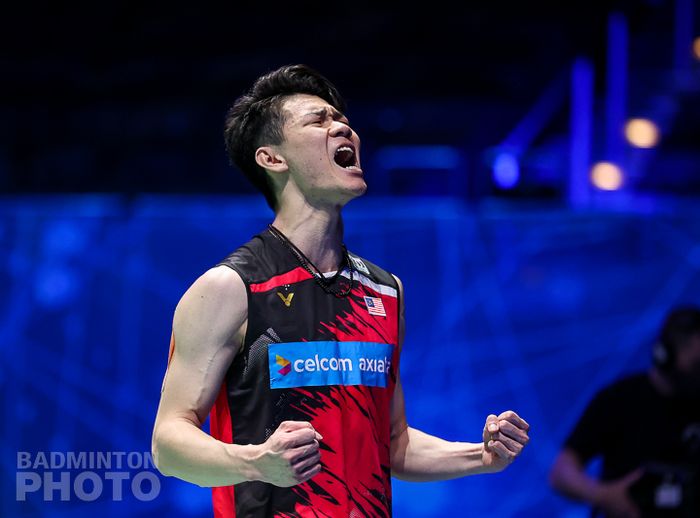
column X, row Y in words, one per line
column 311, row 356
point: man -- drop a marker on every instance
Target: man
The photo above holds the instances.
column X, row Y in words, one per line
column 646, row 427
column 293, row 343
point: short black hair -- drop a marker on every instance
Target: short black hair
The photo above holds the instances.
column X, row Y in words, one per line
column 256, row 118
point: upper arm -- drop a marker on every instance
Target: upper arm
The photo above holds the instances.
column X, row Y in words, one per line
column 398, row 410
column 208, row 328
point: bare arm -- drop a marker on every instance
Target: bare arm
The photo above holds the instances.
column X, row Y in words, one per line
column 208, row 328
column 417, row 456
column 569, row 477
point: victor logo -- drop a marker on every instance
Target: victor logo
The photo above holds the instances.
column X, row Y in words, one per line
column 287, row 300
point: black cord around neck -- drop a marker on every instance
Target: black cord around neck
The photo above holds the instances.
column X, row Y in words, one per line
column 326, row 285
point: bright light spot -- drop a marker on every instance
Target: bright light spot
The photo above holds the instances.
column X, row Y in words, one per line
column 696, row 48
column 606, row 176
column 506, row 171
column 642, row 133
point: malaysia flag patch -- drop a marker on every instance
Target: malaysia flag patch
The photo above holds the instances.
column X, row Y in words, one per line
column 375, row 306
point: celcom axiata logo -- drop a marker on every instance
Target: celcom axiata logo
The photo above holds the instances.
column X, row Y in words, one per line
column 284, row 363
column 326, row 363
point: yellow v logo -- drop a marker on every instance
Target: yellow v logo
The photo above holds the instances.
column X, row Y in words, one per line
column 287, row 300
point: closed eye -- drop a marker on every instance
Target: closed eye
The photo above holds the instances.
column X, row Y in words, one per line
column 320, row 117
column 316, row 121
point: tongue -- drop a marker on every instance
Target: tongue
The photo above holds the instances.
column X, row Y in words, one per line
column 344, row 158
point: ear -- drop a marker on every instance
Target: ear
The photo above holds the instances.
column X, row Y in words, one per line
column 267, row 158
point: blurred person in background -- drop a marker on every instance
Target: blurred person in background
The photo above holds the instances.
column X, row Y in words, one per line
column 292, row 343
column 646, row 428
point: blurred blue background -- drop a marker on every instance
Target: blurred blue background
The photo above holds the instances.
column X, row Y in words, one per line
column 534, row 180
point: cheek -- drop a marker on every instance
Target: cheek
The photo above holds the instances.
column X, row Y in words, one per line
column 309, row 164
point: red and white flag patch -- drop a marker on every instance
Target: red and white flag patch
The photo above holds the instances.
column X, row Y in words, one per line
column 375, row 306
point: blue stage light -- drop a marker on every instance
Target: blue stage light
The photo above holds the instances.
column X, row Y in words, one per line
column 506, row 170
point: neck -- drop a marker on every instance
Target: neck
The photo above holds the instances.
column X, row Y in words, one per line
column 317, row 232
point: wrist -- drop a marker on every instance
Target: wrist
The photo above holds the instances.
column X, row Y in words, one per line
column 473, row 453
column 244, row 458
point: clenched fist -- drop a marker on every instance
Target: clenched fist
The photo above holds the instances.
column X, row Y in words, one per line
column 505, row 436
column 290, row 456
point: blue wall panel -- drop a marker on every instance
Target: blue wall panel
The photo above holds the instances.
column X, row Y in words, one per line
column 524, row 309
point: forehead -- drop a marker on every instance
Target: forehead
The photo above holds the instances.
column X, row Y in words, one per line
column 298, row 105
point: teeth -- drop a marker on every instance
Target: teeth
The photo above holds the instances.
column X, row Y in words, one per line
column 346, row 155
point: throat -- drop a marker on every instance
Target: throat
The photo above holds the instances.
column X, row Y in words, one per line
column 318, row 273
column 320, row 241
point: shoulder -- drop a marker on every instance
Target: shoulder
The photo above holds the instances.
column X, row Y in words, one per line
column 212, row 312
column 399, row 284
column 255, row 261
column 373, row 272
column 218, row 281
column 631, row 383
column 217, row 289
column 626, row 388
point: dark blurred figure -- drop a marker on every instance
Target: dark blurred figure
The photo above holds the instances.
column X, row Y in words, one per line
column 646, row 428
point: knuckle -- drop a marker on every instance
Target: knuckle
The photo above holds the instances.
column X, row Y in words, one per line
column 507, row 414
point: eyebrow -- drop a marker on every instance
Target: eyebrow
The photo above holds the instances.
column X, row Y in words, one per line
column 324, row 111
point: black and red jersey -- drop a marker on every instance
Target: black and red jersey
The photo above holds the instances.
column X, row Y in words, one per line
column 311, row 356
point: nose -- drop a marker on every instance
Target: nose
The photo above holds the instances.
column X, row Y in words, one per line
column 340, row 129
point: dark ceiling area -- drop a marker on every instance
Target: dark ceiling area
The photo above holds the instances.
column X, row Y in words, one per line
column 130, row 97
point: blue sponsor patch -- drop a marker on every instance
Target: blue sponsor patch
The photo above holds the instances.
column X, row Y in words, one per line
column 306, row 364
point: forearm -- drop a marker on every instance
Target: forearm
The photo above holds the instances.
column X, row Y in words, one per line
column 569, row 477
column 419, row 457
column 183, row 450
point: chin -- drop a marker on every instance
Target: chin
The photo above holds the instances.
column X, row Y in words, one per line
column 359, row 189
column 353, row 192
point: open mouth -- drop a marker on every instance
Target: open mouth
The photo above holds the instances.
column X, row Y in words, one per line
column 346, row 158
